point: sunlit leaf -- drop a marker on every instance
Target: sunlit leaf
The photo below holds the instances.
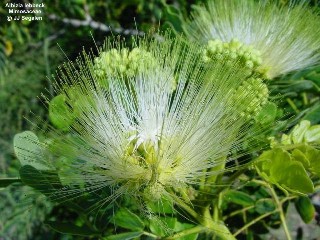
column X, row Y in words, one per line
column 296, row 178
column 299, row 131
column 313, row 134
column 29, row 151
column 300, row 157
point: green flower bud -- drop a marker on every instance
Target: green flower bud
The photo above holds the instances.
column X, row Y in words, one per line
column 121, row 62
column 250, row 97
column 245, row 57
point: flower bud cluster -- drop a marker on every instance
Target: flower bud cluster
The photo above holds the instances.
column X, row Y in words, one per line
column 234, row 52
column 253, row 93
column 121, row 61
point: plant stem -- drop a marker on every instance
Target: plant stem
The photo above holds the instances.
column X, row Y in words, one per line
column 205, row 220
column 288, row 198
column 253, row 222
column 292, row 105
column 216, row 171
column 282, row 216
column 203, row 180
column 279, row 205
column 216, row 211
column 215, row 227
column 183, row 205
column 239, row 211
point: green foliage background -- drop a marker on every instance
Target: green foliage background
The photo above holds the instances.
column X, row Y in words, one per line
column 30, row 53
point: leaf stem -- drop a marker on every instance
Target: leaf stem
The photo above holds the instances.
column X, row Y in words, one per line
column 292, row 105
column 239, row 211
column 280, row 209
column 215, row 227
column 216, row 172
column 279, row 205
column 205, row 220
column 253, row 222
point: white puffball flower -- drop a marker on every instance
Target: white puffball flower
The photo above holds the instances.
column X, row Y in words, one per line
column 287, row 36
column 138, row 136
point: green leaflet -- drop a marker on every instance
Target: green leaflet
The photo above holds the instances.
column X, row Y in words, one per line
column 302, row 133
column 238, row 197
column 173, row 16
column 183, row 226
column 292, row 162
column 313, row 156
column 281, row 168
column 162, row 206
column 127, row 219
column 29, row 151
column 60, row 114
column 301, row 157
column 305, row 209
column 296, row 178
column 280, row 160
column 67, row 106
column 162, row 225
column 43, row 181
column 167, row 225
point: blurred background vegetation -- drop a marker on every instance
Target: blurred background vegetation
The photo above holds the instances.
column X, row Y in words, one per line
column 30, row 52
